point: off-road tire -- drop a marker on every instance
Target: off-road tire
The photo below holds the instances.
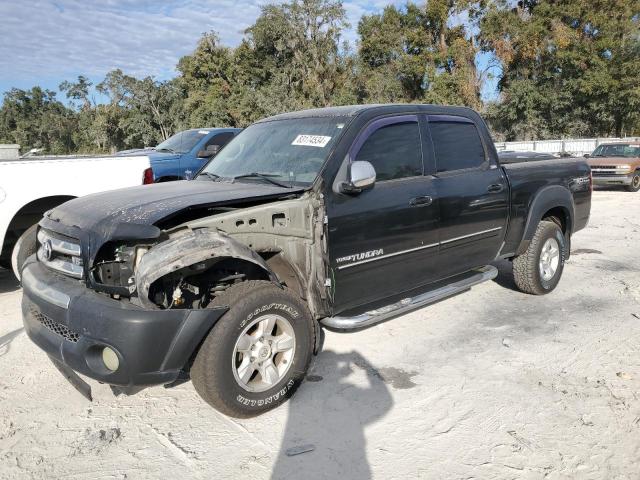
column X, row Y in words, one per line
column 526, row 271
column 26, row 246
column 635, row 183
column 212, row 371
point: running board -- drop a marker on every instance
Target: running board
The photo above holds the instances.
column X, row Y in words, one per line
column 406, row 305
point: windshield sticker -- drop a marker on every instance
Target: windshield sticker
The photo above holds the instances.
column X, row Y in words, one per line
column 203, row 132
column 311, row 141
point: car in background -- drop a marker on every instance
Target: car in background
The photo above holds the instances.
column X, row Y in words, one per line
column 31, row 186
column 181, row 156
column 616, row 164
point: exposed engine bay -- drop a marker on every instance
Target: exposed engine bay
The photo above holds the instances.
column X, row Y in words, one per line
column 194, row 261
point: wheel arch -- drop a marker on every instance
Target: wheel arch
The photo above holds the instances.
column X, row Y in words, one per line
column 554, row 203
column 189, row 248
column 288, row 274
column 28, row 215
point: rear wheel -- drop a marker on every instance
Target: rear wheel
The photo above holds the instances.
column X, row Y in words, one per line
column 258, row 353
column 635, row 183
column 26, row 246
column 538, row 270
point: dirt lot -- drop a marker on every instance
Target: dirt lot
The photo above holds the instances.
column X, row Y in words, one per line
column 489, row 384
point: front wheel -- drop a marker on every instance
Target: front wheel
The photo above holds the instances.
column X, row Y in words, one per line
column 635, row 183
column 258, row 353
column 538, row 270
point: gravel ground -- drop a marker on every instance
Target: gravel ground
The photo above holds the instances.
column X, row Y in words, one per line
column 489, row 384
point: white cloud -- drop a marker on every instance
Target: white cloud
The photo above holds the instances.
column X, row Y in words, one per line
column 61, row 39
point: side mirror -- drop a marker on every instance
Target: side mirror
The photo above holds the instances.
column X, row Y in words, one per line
column 362, row 176
column 211, row 151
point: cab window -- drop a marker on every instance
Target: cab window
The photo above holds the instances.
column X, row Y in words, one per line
column 394, row 151
column 457, row 145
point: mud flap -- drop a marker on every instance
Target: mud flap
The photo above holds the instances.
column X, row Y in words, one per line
column 73, row 378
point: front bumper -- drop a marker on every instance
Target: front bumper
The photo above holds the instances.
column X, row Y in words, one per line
column 612, row 179
column 73, row 324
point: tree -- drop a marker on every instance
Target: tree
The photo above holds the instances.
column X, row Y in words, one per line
column 290, row 59
column 78, row 91
column 568, row 67
column 35, row 119
column 416, row 54
column 139, row 112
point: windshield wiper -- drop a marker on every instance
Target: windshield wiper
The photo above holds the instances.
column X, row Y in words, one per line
column 165, row 150
column 213, row 176
column 264, row 176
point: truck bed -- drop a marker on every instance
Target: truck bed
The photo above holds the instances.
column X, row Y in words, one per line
column 528, row 178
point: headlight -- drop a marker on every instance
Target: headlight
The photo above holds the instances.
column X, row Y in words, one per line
column 3, row 195
column 623, row 168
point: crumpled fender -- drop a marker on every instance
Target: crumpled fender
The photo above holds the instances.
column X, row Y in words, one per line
column 186, row 249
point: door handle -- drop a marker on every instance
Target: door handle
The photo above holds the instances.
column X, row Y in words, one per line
column 421, row 201
column 495, row 188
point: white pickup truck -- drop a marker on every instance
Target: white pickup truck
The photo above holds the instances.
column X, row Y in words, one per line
column 30, row 187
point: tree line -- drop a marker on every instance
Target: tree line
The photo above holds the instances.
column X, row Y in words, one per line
column 564, row 68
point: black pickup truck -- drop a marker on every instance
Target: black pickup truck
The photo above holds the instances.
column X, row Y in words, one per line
column 337, row 218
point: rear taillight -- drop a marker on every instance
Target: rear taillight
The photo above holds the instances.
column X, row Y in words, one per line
column 147, row 176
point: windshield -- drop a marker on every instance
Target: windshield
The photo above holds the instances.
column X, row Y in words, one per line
column 290, row 151
column 617, row 150
column 182, row 142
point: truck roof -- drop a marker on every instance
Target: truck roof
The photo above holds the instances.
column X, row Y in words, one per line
column 211, row 129
column 354, row 110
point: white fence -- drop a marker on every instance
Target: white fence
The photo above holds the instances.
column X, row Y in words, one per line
column 574, row 146
column 9, row 152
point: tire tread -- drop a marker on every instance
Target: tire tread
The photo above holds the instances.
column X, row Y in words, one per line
column 525, row 266
column 204, row 368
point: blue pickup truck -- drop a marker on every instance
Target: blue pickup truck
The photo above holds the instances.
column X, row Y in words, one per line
column 183, row 155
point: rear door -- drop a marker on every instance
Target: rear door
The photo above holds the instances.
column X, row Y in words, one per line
column 472, row 193
column 384, row 240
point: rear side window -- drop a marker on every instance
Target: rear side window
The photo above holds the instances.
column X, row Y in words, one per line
column 457, row 145
column 221, row 139
column 394, row 151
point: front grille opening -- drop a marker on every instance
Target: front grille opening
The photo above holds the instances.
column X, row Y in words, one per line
column 57, row 328
column 60, row 253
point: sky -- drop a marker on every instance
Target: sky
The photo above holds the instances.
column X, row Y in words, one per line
column 44, row 42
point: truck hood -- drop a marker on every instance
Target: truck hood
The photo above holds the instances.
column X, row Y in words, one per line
column 608, row 161
column 135, row 151
column 133, row 213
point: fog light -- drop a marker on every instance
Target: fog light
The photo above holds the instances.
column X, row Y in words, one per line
column 110, row 359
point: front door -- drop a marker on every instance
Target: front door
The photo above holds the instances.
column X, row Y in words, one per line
column 473, row 194
column 384, row 240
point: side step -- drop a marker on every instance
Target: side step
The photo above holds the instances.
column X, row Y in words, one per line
column 406, row 305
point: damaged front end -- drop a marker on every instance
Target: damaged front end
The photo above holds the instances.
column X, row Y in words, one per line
column 139, row 306
column 192, row 266
column 188, row 264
